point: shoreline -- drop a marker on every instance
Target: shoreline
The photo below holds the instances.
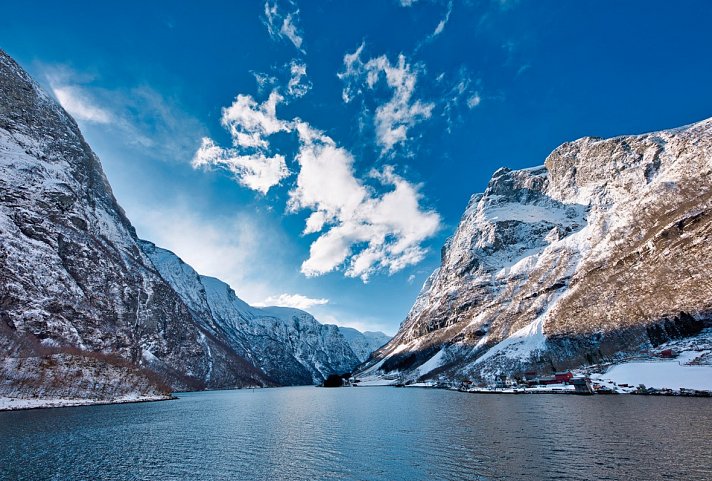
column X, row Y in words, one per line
column 31, row 404
column 23, row 404
column 559, row 389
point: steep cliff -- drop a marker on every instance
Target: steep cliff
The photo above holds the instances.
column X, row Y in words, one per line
column 603, row 250
column 74, row 282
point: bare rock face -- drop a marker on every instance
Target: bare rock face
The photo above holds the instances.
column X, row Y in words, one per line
column 72, row 275
column 605, row 249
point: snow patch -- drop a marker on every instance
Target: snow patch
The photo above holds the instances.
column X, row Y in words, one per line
column 671, row 374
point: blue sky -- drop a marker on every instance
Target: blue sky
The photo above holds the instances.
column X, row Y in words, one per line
column 318, row 154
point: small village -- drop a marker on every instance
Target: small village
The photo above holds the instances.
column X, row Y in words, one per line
column 559, row 383
column 566, row 382
column 593, row 380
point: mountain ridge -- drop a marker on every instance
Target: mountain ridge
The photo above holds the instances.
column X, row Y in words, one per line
column 303, row 350
column 599, row 252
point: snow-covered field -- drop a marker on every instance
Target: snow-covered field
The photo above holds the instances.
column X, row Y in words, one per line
column 11, row 404
column 658, row 375
column 376, row 381
column 690, row 369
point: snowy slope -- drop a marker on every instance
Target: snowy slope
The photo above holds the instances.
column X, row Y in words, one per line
column 364, row 343
column 76, row 288
column 603, row 250
column 288, row 345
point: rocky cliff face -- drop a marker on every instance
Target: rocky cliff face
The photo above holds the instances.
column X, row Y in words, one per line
column 603, row 250
column 288, row 345
column 73, row 279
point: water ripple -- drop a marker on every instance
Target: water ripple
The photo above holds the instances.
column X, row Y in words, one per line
column 368, row 434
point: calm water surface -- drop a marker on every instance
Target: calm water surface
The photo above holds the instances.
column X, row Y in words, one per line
column 388, row 434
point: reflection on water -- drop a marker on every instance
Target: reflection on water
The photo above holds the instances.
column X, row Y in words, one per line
column 388, row 434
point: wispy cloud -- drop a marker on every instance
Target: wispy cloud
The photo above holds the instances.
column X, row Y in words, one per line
column 474, row 100
column 506, row 4
column 395, row 117
column 143, row 118
column 462, row 91
column 236, row 248
column 439, row 29
column 299, row 83
column 290, row 80
column 265, row 82
column 441, row 25
column 292, row 300
column 80, row 105
column 282, row 24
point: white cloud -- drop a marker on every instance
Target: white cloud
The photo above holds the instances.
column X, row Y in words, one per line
column 290, row 31
column 292, row 300
column 256, row 171
column 474, row 100
column 395, row 117
column 407, row 3
column 293, row 74
column 79, row 105
column 264, row 80
column 360, row 230
column 441, row 25
column 281, row 26
column 439, row 28
column 249, row 124
column 462, row 91
column 354, row 68
column 299, row 84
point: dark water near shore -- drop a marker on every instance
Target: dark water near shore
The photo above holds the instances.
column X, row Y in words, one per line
column 385, row 434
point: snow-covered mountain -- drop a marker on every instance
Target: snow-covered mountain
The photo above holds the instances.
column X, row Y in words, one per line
column 84, row 312
column 288, row 344
column 364, row 343
column 73, row 279
column 606, row 249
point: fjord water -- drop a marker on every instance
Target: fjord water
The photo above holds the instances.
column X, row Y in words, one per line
column 307, row 433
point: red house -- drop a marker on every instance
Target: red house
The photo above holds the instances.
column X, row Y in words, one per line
column 562, row 377
column 667, row 353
